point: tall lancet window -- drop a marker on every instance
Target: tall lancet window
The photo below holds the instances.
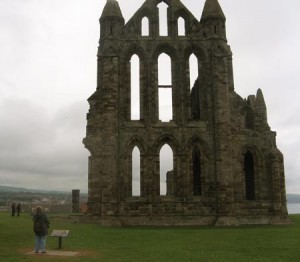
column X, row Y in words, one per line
column 196, row 172
column 166, row 165
column 195, row 92
column 163, row 19
column 181, row 26
column 249, row 176
column 135, row 87
column 145, row 26
column 165, row 88
column 136, row 172
column 193, row 68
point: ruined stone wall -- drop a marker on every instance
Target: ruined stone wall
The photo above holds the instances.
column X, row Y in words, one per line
column 212, row 131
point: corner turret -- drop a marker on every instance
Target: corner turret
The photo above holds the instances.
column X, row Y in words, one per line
column 260, row 101
column 111, row 20
column 213, row 19
column 261, row 108
column 257, row 115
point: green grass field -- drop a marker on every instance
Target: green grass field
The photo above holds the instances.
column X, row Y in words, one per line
column 201, row 244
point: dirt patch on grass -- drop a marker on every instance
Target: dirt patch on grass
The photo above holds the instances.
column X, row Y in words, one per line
column 60, row 255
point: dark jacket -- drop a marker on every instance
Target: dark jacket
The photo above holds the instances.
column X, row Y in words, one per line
column 40, row 224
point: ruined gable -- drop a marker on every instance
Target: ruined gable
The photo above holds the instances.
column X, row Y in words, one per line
column 224, row 166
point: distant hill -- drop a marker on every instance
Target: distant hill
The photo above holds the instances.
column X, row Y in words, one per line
column 291, row 198
column 8, row 189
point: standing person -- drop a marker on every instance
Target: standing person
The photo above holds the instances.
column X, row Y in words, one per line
column 19, row 209
column 40, row 228
column 13, row 209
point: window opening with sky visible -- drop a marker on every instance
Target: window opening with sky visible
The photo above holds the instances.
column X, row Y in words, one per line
column 166, row 164
column 165, row 88
column 135, row 87
column 136, row 172
column 163, row 19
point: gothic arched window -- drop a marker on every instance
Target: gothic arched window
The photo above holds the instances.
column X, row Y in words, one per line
column 196, row 172
column 165, row 88
column 166, row 165
column 181, row 26
column 145, row 26
column 193, row 69
column 135, row 87
column 194, row 87
column 249, row 176
column 163, row 19
column 136, row 172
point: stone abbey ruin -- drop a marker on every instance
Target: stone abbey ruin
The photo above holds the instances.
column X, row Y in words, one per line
column 226, row 168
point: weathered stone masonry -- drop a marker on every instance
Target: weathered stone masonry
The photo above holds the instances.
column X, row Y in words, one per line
column 227, row 169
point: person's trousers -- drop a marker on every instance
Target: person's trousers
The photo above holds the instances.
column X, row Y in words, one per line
column 40, row 243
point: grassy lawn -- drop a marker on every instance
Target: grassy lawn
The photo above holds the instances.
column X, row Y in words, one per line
column 201, row 244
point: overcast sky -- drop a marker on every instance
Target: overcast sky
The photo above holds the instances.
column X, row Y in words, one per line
column 48, row 69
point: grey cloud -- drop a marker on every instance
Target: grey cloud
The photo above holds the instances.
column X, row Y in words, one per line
column 37, row 144
column 48, row 63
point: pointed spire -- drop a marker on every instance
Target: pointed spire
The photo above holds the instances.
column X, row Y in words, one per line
column 112, row 9
column 212, row 9
column 260, row 101
column 261, row 109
